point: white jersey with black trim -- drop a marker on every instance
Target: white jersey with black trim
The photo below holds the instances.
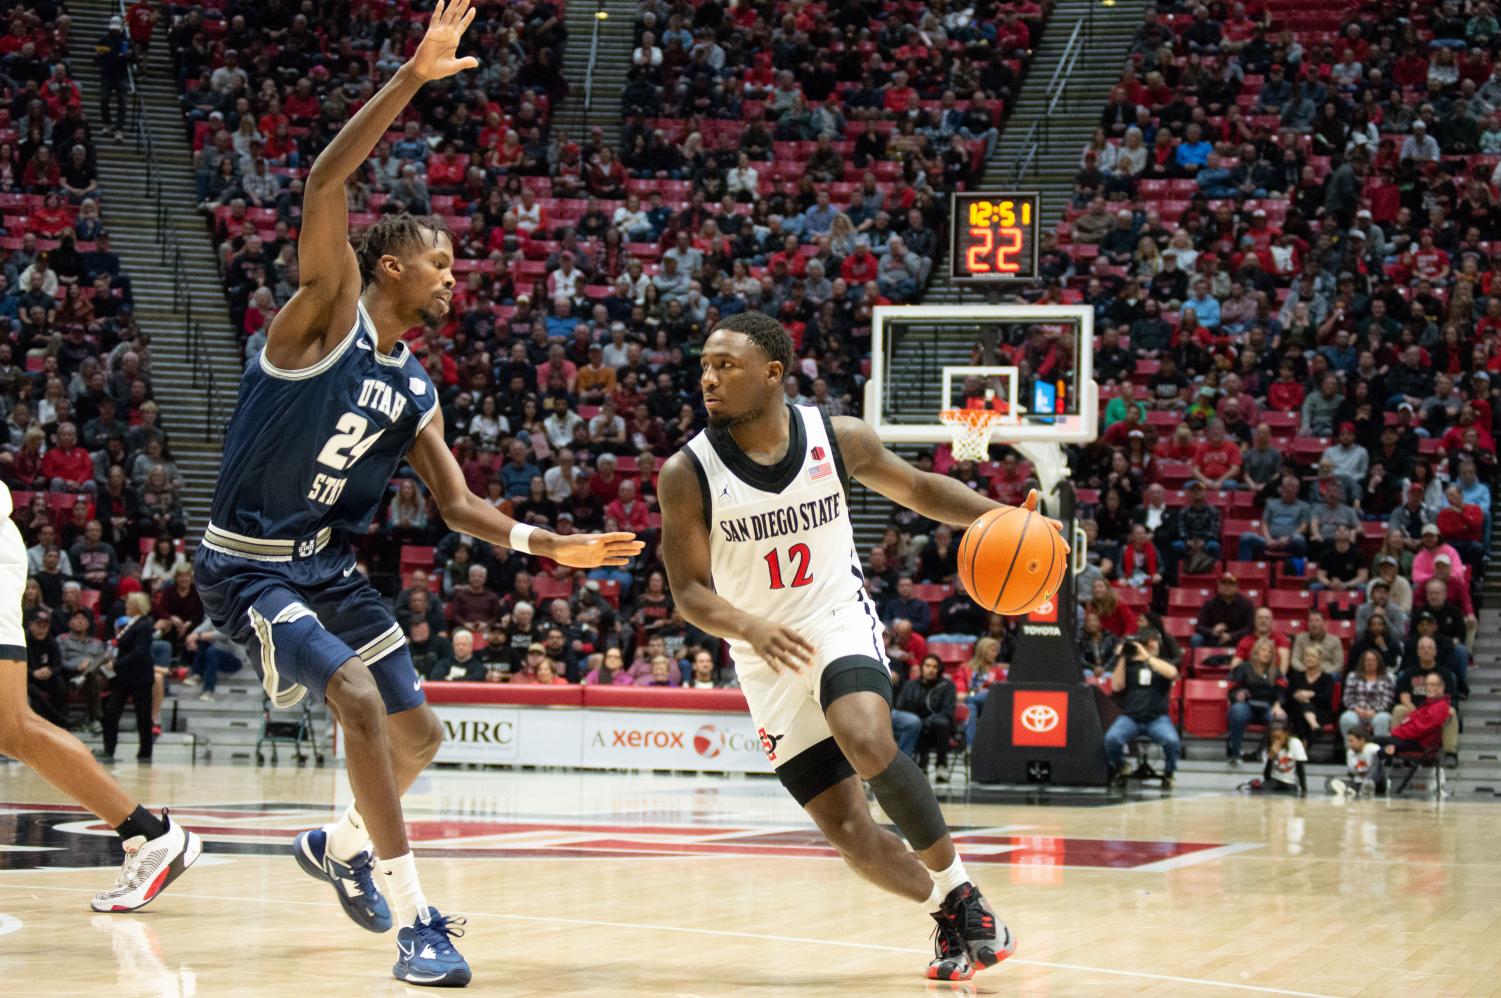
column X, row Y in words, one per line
column 781, row 544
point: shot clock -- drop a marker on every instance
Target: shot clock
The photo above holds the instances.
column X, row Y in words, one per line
column 994, row 237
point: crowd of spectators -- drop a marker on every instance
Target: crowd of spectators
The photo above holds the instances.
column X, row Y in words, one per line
column 1287, row 227
column 776, row 157
column 1284, row 226
column 82, row 447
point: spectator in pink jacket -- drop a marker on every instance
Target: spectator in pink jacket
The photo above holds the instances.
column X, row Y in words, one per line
column 1430, row 548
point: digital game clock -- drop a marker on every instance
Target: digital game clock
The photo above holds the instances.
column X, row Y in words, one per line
column 994, row 237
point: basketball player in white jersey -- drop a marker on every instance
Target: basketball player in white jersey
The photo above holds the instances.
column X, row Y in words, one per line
column 763, row 555
column 157, row 849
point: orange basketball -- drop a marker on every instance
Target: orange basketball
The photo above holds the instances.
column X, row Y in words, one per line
column 1012, row 560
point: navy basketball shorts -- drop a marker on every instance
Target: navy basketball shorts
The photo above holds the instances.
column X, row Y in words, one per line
column 303, row 618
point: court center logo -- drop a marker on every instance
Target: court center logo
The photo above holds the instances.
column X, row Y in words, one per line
column 1039, row 718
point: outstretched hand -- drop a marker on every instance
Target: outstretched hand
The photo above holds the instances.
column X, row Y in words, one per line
column 436, row 57
column 595, row 550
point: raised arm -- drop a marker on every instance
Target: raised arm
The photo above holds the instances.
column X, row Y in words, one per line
column 329, row 273
column 690, row 577
column 467, row 513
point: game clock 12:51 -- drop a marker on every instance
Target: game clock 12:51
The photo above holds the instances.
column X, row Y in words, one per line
column 994, row 237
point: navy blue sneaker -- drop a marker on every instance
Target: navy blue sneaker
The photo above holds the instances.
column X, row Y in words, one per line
column 424, row 954
column 353, row 881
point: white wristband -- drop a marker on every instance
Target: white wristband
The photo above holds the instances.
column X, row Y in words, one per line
column 521, row 538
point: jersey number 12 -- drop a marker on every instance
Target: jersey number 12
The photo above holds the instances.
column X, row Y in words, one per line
column 797, row 553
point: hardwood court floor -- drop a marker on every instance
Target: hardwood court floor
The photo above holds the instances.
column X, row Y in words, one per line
column 609, row 885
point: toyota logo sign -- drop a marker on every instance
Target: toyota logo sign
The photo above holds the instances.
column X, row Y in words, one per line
column 1039, row 718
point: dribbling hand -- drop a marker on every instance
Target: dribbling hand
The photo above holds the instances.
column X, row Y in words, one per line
column 594, row 550
column 436, row 56
column 780, row 647
column 1030, row 503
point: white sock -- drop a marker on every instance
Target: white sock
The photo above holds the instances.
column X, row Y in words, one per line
column 934, row 902
column 401, row 888
column 945, row 881
column 347, row 836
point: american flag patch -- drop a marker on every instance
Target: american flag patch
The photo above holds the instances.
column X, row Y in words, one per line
column 820, row 471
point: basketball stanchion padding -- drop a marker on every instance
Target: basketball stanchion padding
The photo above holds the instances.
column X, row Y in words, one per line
column 1012, row 560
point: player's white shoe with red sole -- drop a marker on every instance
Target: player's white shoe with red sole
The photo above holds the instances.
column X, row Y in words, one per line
column 150, row 865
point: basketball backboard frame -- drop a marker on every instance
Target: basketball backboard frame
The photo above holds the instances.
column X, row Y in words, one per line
column 1083, row 429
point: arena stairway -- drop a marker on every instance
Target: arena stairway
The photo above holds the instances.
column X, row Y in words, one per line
column 179, row 299
column 1049, row 142
column 612, row 61
column 223, row 730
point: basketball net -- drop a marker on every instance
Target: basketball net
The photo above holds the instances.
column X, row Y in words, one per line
column 973, row 425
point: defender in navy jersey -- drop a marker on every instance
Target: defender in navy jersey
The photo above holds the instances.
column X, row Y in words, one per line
column 326, row 416
column 763, row 555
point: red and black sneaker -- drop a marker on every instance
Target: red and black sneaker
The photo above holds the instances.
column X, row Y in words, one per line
column 986, row 938
column 950, row 958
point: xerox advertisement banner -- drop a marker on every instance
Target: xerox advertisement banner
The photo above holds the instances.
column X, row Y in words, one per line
column 600, row 739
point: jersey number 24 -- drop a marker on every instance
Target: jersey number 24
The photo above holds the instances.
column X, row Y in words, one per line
column 342, row 450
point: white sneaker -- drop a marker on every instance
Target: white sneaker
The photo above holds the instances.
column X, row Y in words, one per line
column 193, row 681
column 1339, row 787
column 150, row 865
column 206, row 697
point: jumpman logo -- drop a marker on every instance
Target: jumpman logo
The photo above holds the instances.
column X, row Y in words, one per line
column 724, row 493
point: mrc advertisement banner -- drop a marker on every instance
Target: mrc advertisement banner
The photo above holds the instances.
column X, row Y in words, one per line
column 599, row 739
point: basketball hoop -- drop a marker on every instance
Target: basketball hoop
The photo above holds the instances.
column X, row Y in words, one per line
column 972, row 429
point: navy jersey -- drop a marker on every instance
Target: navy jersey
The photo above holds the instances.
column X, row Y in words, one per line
column 314, row 449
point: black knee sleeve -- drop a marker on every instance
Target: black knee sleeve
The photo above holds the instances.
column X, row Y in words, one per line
column 908, row 800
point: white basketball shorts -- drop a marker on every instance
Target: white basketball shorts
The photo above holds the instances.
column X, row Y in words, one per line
column 788, row 707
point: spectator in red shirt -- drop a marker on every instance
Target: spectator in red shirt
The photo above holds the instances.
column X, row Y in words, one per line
column 1286, row 394
column 898, row 97
column 41, row 173
column 1216, row 461
column 1263, row 625
column 605, row 483
column 1460, row 523
column 1429, row 262
column 628, row 511
column 302, row 105
column 860, row 266
column 1425, row 728
column 67, row 466
column 1115, row 616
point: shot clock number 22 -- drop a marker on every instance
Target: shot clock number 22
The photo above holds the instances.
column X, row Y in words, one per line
column 994, row 237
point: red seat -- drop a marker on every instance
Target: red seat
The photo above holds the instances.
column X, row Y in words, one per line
column 951, row 652
column 1136, row 597
column 610, row 590
column 1206, row 706
column 416, row 556
column 1251, row 573
column 1285, row 602
column 548, row 587
column 1182, row 598
column 931, row 593
column 1198, row 657
column 1181, row 628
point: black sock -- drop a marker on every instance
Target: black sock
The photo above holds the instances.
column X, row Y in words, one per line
column 141, row 822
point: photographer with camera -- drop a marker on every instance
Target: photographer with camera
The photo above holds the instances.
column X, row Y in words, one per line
column 1142, row 681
